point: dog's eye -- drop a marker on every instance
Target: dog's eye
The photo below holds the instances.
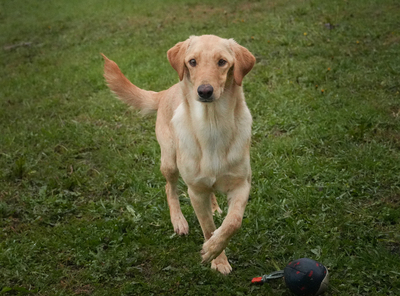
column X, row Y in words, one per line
column 192, row 62
column 222, row 63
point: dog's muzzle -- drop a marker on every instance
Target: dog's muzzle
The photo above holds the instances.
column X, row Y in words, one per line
column 205, row 92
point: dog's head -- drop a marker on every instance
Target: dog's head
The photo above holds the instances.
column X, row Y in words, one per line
column 210, row 64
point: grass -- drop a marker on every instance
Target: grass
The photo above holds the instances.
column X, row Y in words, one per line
column 82, row 203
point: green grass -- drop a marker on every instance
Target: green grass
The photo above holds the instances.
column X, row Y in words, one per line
column 82, row 203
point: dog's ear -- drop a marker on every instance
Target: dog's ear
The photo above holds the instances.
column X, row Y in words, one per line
column 244, row 62
column 176, row 57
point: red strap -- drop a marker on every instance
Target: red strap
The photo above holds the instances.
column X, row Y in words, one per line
column 256, row 280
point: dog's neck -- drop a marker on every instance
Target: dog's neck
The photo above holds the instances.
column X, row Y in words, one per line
column 222, row 111
column 215, row 123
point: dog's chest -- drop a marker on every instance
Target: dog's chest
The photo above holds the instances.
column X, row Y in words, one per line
column 203, row 161
column 209, row 151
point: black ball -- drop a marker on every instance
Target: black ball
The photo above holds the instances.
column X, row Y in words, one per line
column 306, row 277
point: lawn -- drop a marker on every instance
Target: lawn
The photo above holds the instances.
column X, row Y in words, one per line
column 82, row 203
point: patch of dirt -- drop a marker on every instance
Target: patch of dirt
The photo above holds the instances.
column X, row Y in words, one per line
column 393, row 200
column 389, row 136
column 394, row 247
column 84, row 290
column 395, row 111
column 147, row 268
column 279, row 132
column 392, row 39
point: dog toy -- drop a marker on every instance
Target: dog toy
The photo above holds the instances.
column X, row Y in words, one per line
column 303, row 277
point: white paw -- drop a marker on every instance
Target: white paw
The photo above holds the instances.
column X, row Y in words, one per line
column 221, row 264
column 181, row 227
column 216, row 209
column 213, row 247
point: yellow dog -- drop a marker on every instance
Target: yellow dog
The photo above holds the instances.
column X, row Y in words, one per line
column 203, row 128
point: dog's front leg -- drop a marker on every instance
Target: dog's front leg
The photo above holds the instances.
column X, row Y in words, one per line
column 219, row 240
column 202, row 202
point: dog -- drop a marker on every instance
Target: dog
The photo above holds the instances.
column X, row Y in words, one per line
column 203, row 127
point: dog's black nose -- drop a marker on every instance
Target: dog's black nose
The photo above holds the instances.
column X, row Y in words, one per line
column 205, row 91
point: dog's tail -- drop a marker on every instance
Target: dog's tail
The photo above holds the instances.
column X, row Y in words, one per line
column 145, row 101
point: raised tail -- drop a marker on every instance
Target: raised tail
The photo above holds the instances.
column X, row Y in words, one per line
column 143, row 100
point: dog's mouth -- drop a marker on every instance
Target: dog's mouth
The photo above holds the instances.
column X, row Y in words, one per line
column 206, row 100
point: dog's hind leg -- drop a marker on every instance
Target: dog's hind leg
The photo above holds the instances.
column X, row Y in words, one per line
column 214, row 205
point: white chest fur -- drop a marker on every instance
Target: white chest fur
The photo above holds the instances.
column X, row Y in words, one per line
column 213, row 141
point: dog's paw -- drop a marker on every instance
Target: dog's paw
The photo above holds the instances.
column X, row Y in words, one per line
column 214, row 205
column 221, row 264
column 216, row 208
column 213, row 247
column 181, row 227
